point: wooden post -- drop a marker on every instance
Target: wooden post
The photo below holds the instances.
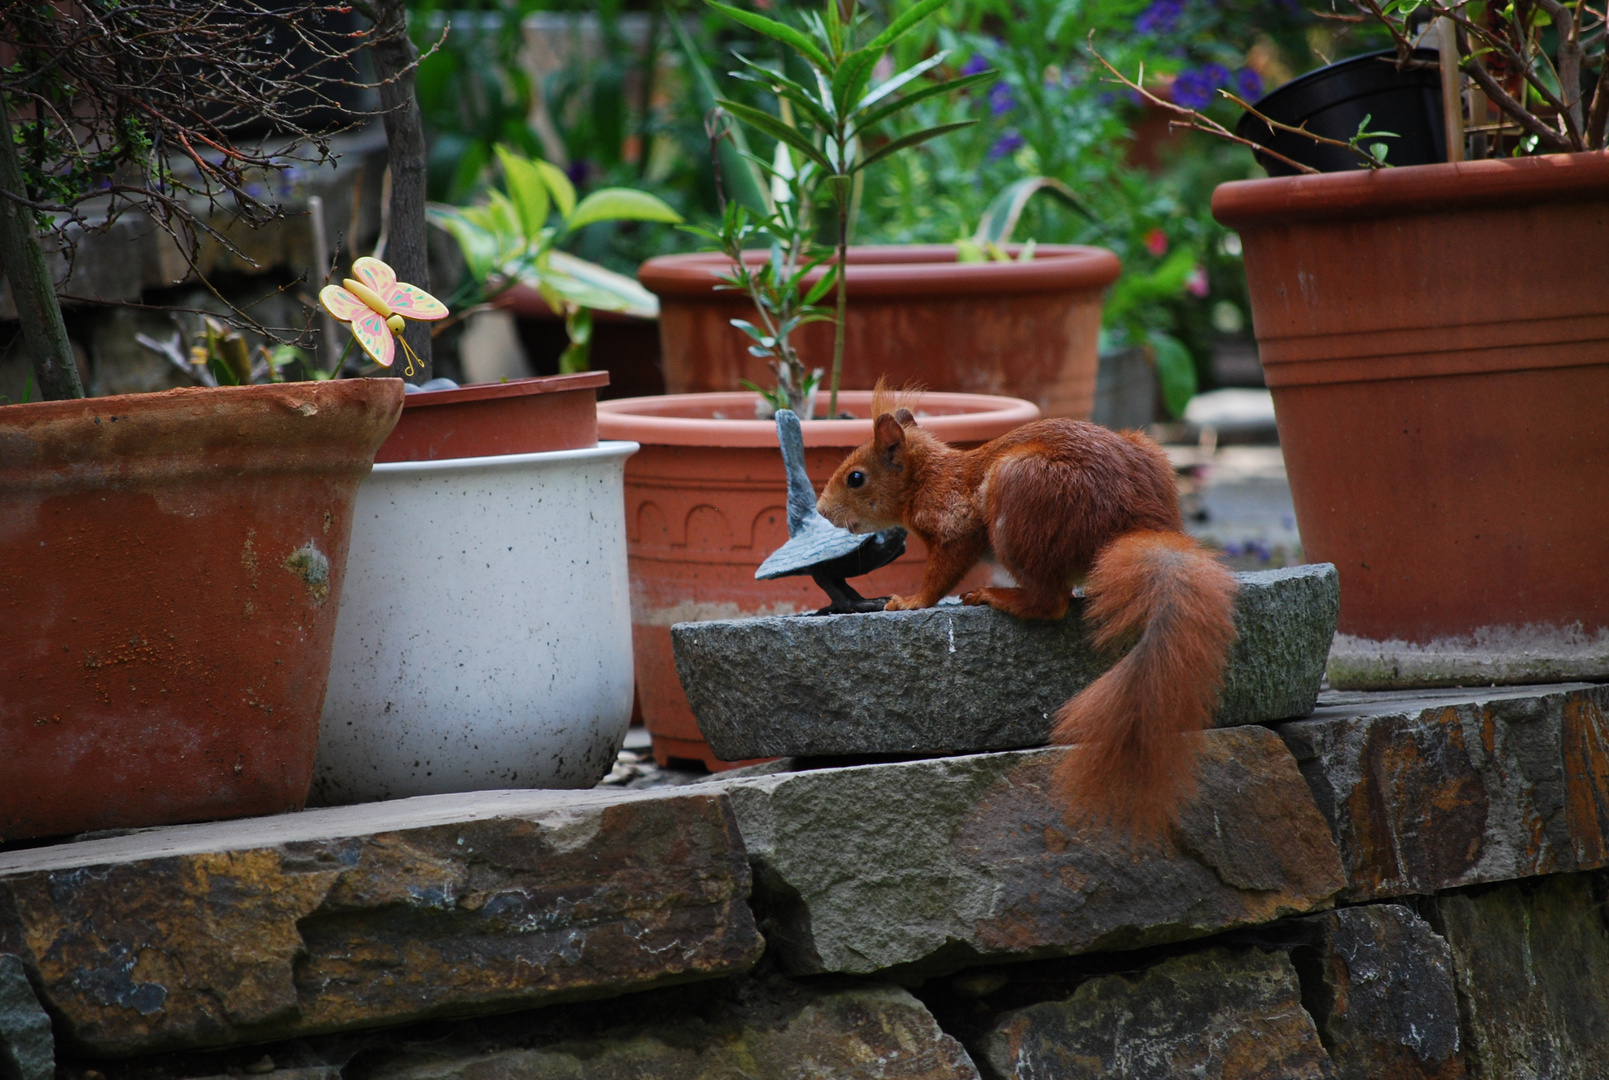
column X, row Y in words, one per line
column 1452, row 86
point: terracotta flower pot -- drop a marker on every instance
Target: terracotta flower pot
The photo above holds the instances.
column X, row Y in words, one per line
column 1022, row 329
column 521, row 416
column 173, row 566
column 1437, row 342
column 704, row 507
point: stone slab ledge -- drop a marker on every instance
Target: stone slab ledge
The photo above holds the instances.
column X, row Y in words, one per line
column 960, row 680
column 208, row 935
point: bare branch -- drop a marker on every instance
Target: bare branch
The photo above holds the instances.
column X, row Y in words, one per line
column 142, row 100
column 1196, row 121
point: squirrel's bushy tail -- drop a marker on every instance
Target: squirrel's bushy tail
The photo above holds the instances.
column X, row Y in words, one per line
column 1135, row 724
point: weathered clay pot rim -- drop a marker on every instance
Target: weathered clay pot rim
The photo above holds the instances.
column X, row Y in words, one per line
column 538, row 384
column 964, row 418
column 908, row 270
column 174, row 399
column 610, row 448
column 1512, row 183
column 224, row 427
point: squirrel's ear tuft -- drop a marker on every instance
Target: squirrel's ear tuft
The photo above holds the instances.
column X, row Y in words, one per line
column 904, row 417
column 890, row 435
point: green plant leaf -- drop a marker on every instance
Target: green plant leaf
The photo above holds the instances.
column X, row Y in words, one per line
column 749, row 329
column 851, row 76
column 222, row 371
column 907, row 21
column 915, row 138
column 590, row 285
column 477, row 242
column 526, row 189
column 1004, row 210
column 833, row 29
column 783, row 86
column 779, row 32
column 824, row 286
column 969, row 251
column 502, row 216
column 888, row 86
column 770, row 125
column 1175, row 371
column 620, row 204
column 577, row 355
column 559, row 184
column 968, row 82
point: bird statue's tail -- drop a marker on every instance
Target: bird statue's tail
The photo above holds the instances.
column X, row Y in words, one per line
column 801, row 494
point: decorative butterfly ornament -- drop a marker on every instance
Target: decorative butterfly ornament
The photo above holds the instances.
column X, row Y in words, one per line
column 375, row 303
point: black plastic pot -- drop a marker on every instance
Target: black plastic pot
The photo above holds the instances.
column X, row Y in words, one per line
column 1333, row 101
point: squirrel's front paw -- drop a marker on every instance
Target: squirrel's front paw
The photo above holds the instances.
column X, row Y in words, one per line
column 903, row 603
column 976, row 597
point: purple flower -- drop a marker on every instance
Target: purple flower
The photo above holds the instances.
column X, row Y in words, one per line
column 1248, row 84
column 1192, row 89
column 978, row 64
column 1160, row 18
column 1006, row 145
column 1001, row 99
column 577, row 171
column 1215, row 74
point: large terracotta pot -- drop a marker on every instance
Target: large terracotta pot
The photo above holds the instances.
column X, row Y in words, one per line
column 1022, row 329
column 172, row 569
column 704, row 507
column 1437, row 342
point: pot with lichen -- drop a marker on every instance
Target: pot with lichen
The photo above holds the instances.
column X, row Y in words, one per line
column 173, row 566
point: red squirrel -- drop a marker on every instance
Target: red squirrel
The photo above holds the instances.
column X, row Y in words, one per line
column 1058, row 502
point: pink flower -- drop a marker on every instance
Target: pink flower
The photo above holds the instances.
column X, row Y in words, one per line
column 1156, row 242
column 1196, row 283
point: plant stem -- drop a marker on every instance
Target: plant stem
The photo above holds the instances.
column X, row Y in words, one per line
column 38, row 308
column 840, row 286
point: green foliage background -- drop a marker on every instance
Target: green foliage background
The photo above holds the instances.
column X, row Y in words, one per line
column 626, row 110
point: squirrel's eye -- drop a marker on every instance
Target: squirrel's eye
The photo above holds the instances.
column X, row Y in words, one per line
column 857, row 479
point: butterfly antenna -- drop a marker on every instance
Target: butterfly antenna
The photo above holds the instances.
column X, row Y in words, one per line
column 411, row 357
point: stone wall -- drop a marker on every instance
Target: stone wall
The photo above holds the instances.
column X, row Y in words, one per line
column 1395, row 886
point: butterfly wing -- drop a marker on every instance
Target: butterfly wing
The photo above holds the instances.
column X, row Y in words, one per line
column 375, row 337
column 342, row 304
column 376, row 275
column 414, row 302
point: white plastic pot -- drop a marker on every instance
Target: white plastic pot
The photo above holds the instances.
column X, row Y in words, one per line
column 484, row 637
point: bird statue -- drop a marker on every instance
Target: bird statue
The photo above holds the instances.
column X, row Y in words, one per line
column 818, row 547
